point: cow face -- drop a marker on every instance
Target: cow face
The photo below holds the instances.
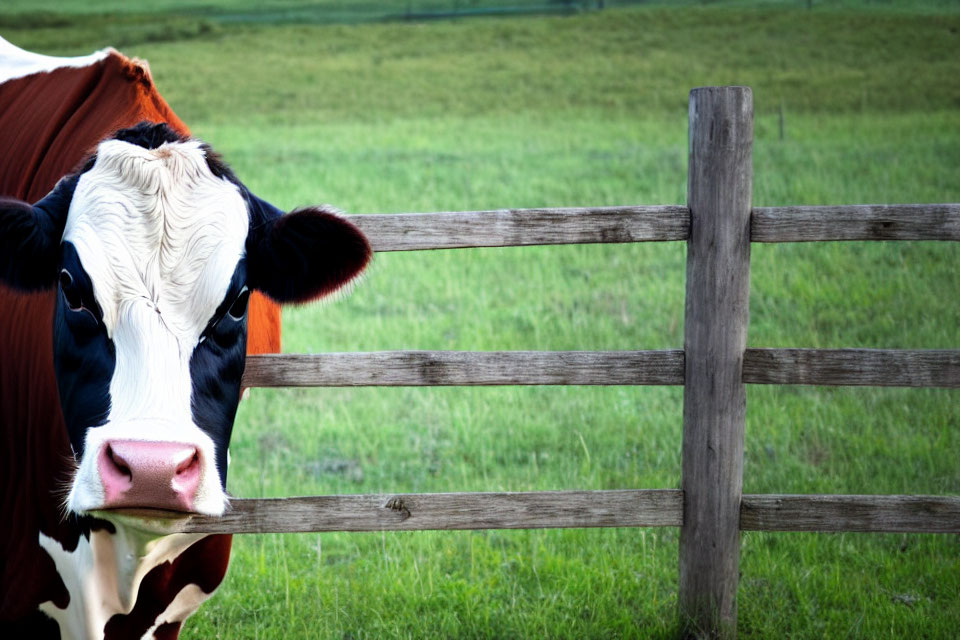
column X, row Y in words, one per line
column 153, row 249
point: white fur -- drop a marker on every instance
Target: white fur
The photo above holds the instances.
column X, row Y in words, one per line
column 187, row 601
column 160, row 237
column 103, row 575
column 17, row 63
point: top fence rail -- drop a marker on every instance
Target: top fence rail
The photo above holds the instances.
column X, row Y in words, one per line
column 524, row 227
column 588, row 225
column 856, row 222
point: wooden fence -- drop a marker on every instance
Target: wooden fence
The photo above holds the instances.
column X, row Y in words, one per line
column 719, row 225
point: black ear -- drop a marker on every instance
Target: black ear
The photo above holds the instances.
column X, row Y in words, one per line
column 303, row 255
column 30, row 238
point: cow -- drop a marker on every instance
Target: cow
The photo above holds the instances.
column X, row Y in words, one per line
column 131, row 290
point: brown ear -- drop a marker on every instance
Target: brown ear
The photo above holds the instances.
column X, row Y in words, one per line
column 303, row 255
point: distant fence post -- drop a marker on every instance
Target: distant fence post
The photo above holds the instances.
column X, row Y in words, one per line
column 719, row 188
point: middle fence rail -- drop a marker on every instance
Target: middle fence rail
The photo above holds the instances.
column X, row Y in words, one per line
column 719, row 224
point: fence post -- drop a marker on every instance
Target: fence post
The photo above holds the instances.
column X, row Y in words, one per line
column 719, row 187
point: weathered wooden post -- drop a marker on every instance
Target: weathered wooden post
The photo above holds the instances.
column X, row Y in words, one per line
column 719, row 190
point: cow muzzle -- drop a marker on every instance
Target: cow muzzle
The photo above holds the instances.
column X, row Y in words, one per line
column 151, row 475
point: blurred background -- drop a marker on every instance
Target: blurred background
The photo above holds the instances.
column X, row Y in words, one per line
column 464, row 105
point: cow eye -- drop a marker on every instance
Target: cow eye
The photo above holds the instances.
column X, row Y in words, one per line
column 70, row 291
column 239, row 306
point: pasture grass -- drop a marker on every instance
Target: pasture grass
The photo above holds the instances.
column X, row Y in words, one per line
column 331, row 11
column 586, row 110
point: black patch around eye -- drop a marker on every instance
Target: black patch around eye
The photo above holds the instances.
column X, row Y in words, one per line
column 70, row 292
column 239, row 307
column 77, row 292
column 216, row 368
column 84, row 357
column 232, row 308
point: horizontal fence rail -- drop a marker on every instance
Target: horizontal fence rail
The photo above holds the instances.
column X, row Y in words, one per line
column 465, row 368
column 856, row 222
column 523, row 227
column 586, row 225
column 574, row 509
column 422, row 511
column 853, row 367
column 877, row 514
column 845, row 367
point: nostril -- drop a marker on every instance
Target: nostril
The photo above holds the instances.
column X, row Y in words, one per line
column 189, row 463
column 118, row 462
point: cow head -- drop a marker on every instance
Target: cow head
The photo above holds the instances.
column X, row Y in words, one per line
column 153, row 249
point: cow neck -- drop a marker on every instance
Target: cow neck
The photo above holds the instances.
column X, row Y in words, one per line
column 104, row 572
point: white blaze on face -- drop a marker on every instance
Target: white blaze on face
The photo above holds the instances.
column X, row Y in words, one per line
column 160, row 237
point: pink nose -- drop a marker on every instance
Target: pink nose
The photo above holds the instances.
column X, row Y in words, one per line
column 156, row 475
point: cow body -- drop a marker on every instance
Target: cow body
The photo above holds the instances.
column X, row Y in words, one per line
column 122, row 354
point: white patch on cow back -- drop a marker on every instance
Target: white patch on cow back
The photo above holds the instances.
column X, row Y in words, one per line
column 160, row 237
column 17, row 63
column 103, row 576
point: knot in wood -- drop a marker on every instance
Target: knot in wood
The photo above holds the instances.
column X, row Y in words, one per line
column 396, row 504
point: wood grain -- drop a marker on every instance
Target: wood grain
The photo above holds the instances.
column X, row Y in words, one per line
column 853, row 367
column 572, row 509
column 409, row 512
column 892, row 514
column 717, row 313
column 466, row 368
column 856, row 222
column 521, row 227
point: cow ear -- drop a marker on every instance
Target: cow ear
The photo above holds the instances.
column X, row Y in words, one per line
column 30, row 238
column 303, row 255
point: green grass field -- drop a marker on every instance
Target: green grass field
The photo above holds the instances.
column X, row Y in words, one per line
column 581, row 110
